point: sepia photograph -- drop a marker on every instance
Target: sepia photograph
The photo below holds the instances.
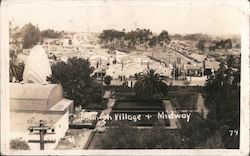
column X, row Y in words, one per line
column 125, row 75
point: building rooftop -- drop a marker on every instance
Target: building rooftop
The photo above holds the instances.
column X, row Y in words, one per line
column 61, row 105
column 192, row 67
column 31, row 96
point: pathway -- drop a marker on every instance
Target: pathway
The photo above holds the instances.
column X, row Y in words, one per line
column 201, row 108
column 174, row 122
column 100, row 125
column 76, row 139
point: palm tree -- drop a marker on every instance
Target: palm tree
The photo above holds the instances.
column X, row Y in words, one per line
column 151, row 85
column 16, row 68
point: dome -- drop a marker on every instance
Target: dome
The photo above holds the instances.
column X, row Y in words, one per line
column 37, row 66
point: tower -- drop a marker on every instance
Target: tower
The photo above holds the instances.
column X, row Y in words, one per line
column 37, row 67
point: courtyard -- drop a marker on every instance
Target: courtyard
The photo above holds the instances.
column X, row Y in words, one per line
column 131, row 112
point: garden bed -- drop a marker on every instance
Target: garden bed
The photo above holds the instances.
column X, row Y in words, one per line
column 187, row 89
column 97, row 140
column 131, row 103
column 97, row 106
column 184, row 101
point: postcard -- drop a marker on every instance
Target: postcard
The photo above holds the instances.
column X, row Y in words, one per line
column 124, row 77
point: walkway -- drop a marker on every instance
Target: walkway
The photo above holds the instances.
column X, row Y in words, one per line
column 75, row 139
column 79, row 138
column 174, row 122
column 100, row 125
column 201, row 108
column 111, row 102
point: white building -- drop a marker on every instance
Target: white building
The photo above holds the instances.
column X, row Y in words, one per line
column 30, row 103
column 51, row 45
column 80, row 38
column 68, row 44
column 35, row 99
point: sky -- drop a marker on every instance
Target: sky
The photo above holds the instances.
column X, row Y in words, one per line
column 86, row 16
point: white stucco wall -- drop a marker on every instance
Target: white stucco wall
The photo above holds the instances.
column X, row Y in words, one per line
column 61, row 126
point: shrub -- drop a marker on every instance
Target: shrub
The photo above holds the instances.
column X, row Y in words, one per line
column 107, row 80
column 18, row 144
column 125, row 137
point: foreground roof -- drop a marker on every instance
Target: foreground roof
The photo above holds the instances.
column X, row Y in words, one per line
column 31, row 96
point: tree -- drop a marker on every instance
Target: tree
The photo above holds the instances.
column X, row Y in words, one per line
column 127, row 137
column 151, row 84
column 107, row 80
column 231, row 62
column 228, row 44
column 222, row 97
column 201, row 45
column 153, row 41
column 131, row 39
column 224, row 44
column 164, row 37
column 122, row 136
column 16, row 71
column 50, row 33
column 214, row 142
column 197, row 37
column 212, row 48
column 74, row 76
column 194, row 134
column 16, row 68
column 31, row 35
column 18, row 144
column 237, row 46
column 111, row 35
column 160, row 138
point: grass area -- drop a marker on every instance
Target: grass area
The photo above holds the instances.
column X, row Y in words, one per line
column 183, row 101
column 186, row 89
column 97, row 106
column 149, row 139
column 96, row 141
column 194, row 116
column 138, row 104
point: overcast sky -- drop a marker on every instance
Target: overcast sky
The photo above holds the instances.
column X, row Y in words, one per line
column 98, row 15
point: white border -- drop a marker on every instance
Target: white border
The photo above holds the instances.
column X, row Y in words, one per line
column 242, row 5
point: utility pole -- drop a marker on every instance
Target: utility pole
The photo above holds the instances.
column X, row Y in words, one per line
column 174, row 68
column 102, row 82
column 42, row 131
column 169, row 55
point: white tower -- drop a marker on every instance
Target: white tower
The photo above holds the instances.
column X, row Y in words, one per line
column 37, row 67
